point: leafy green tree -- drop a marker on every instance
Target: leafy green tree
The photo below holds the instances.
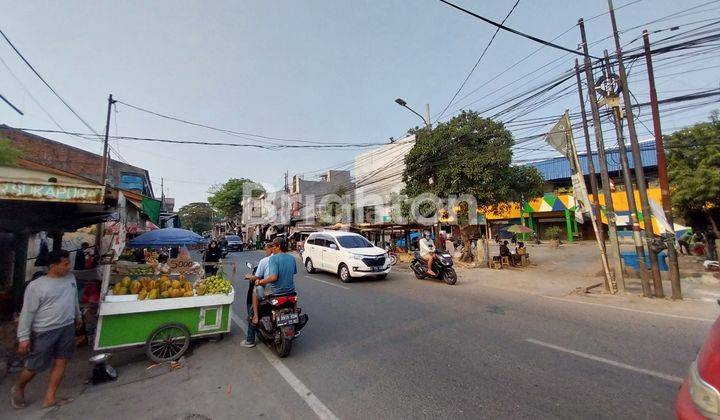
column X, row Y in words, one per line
column 694, row 168
column 197, row 217
column 8, row 154
column 227, row 198
column 469, row 155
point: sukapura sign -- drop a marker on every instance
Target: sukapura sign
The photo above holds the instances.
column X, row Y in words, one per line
column 50, row 191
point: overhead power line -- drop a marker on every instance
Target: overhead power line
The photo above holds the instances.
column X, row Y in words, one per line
column 212, row 143
column 516, row 32
column 45, row 82
column 462, row 85
column 241, row 134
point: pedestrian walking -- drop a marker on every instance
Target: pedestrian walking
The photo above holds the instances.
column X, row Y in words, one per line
column 711, row 237
column 46, row 329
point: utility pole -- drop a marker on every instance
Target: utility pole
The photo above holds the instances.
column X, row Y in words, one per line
column 427, row 117
column 590, row 161
column 637, row 159
column 104, row 174
column 619, row 279
column 613, row 102
column 662, row 173
column 286, row 182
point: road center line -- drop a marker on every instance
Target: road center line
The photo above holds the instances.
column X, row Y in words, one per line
column 606, row 361
column 328, row 283
column 296, row 384
column 631, row 310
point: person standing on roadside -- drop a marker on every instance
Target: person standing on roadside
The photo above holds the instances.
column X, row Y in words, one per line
column 46, row 329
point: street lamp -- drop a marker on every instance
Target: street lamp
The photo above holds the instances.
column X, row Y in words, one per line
column 426, row 120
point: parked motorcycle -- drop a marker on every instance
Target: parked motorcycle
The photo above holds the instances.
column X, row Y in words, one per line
column 442, row 265
column 280, row 320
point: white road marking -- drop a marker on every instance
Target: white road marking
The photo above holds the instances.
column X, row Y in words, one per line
column 607, row 361
column 692, row 318
column 329, row 283
column 296, row 384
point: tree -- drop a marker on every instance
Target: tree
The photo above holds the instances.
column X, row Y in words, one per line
column 196, row 217
column 8, row 154
column 227, row 198
column 469, row 155
column 694, row 168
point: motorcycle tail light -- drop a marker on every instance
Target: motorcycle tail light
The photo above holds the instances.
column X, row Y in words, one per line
column 283, row 299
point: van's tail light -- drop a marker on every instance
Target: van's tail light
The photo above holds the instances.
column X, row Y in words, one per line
column 705, row 396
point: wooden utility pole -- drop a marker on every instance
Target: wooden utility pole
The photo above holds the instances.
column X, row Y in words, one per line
column 637, row 159
column 105, row 158
column 619, row 279
column 613, row 102
column 662, row 173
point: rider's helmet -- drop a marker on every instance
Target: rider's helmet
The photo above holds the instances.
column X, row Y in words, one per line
column 426, row 234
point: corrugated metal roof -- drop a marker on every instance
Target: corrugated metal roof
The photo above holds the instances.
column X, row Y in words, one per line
column 559, row 168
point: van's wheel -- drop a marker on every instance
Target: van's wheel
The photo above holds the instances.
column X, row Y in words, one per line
column 167, row 342
column 344, row 273
column 309, row 266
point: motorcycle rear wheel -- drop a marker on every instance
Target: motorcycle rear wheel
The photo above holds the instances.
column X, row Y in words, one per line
column 283, row 346
column 450, row 276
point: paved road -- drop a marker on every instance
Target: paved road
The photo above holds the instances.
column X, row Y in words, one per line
column 407, row 348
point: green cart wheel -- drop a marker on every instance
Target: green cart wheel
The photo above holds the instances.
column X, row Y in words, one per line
column 167, row 342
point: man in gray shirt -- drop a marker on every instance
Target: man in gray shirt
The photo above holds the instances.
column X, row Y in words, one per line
column 46, row 330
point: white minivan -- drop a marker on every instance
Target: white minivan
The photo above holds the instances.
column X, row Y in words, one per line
column 346, row 254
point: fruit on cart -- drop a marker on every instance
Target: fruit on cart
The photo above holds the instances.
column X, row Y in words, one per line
column 126, row 281
column 176, row 284
column 200, row 289
column 142, row 294
column 213, row 285
column 176, row 293
column 165, row 294
column 135, row 287
column 153, row 294
column 188, row 294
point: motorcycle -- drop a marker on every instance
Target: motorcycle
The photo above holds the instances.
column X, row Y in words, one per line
column 442, row 265
column 280, row 320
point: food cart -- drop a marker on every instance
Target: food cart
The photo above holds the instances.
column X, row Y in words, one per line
column 162, row 313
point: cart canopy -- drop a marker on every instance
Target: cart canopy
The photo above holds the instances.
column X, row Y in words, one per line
column 167, row 237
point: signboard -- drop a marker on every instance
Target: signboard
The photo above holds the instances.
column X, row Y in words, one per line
column 51, row 191
column 182, row 264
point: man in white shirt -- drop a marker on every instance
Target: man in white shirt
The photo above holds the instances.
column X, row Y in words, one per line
column 427, row 250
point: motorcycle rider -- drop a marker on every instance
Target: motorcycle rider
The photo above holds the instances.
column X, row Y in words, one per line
column 260, row 273
column 427, row 251
column 280, row 275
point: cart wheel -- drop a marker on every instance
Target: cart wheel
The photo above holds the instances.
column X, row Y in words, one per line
column 167, row 342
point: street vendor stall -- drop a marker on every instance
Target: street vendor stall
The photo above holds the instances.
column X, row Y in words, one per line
column 162, row 312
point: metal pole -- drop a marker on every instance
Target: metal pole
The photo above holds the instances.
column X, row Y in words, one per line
column 627, row 180
column 618, row 278
column 662, row 173
column 637, row 160
column 103, row 175
column 590, row 160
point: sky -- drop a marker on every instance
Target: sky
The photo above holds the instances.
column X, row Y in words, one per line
column 311, row 70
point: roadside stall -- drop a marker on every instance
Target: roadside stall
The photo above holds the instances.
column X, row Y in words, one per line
column 162, row 306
